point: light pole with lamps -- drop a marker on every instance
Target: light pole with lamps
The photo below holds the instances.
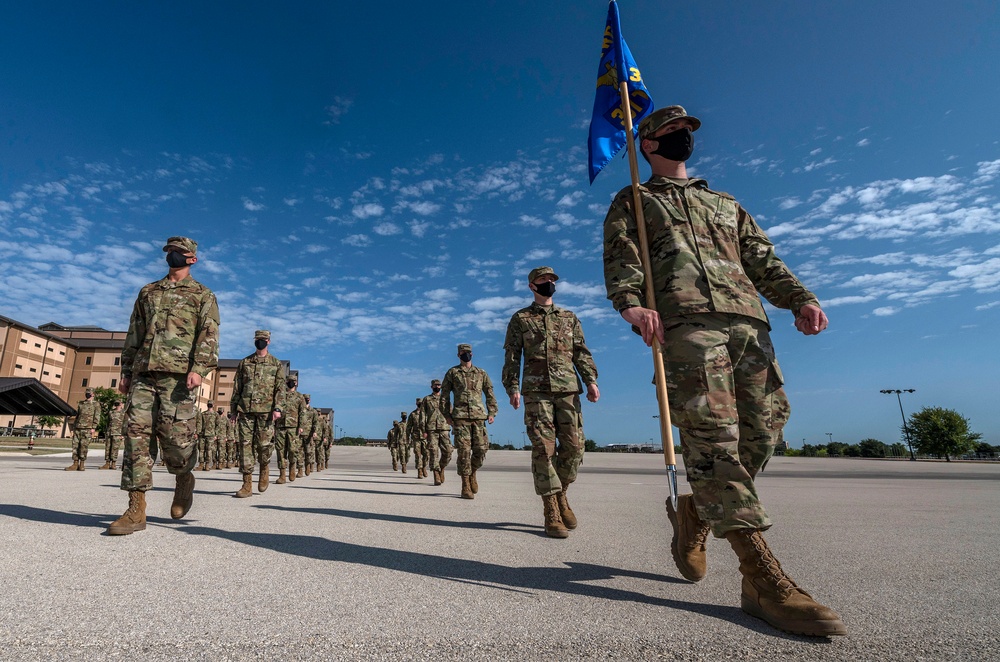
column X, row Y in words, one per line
column 906, row 430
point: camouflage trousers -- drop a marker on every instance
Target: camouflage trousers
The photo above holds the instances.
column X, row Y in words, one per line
column 305, row 452
column 727, row 400
column 553, row 424
column 326, row 449
column 112, row 445
column 438, row 449
column 160, row 410
column 81, row 443
column 472, row 442
column 319, row 454
column 403, row 452
column 256, row 432
column 419, row 452
column 394, row 453
column 284, row 442
column 207, row 448
column 228, row 451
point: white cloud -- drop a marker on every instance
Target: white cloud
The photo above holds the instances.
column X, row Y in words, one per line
column 368, row 210
column 386, row 229
column 499, row 303
column 571, row 199
column 864, row 142
column 359, row 240
column 885, row 312
column 336, row 110
column 250, row 205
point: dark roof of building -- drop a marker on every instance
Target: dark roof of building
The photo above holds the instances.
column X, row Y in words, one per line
column 28, row 396
column 52, row 326
column 229, row 363
column 98, row 343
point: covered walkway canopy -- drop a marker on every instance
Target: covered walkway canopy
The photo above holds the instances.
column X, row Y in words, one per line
column 28, row 396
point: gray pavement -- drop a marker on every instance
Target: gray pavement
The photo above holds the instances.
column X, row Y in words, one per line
column 359, row 562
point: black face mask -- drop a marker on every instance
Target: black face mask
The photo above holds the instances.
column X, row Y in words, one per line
column 436, row 389
column 176, row 260
column 260, row 343
column 545, row 290
column 677, row 145
column 465, row 357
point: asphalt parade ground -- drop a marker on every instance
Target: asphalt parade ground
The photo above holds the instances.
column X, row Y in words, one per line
column 361, row 563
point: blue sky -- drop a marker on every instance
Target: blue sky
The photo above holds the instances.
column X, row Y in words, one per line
column 373, row 181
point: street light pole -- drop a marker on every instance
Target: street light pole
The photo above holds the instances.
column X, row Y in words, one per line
column 906, row 430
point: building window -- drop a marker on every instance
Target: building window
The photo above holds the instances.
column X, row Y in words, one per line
column 118, row 360
column 24, row 340
column 62, row 353
column 84, row 384
column 48, row 349
column 114, row 383
column 18, row 366
column 45, row 372
column 32, row 370
column 221, row 393
column 38, row 344
column 58, row 376
column 87, row 362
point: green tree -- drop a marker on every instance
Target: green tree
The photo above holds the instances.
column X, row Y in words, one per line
column 836, row 448
column 941, row 432
column 808, row 450
column 352, row 441
column 898, row 449
column 589, row 445
column 871, row 448
column 49, row 421
column 106, row 399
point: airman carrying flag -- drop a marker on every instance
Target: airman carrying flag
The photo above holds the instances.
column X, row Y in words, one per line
column 607, row 126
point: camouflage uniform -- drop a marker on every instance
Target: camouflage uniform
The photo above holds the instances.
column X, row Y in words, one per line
column 322, row 441
column 415, row 434
column 174, row 330
column 88, row 419
column 307, row 417
column 392, row 441
column 402, row 442
column 551, row 341
column 115, row 435
column 328, row 440
column 709, row 260
column 467, row 415
column 259, row 390
column 288, row 440
column 207, row 432
column 230, row 452
column 438, row 431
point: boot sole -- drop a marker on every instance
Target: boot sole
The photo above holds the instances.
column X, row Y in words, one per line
column 112, row 531
column 556, row 533
column 682, row 567
column 806, row 628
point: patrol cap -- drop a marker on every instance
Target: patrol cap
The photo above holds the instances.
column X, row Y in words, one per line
column 260, row 333
column 210, row 404
column 658, row 119
column 435, row 382
column 306, row 396
column 464, row 347
column 89, row 391
column 402, row 414
column 292, row 378
column 541, row 271
column 183, row 243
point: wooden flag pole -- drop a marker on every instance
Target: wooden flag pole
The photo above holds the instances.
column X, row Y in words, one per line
column 659, row 373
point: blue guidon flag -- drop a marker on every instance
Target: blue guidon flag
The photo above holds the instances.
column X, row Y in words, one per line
column 607, row 126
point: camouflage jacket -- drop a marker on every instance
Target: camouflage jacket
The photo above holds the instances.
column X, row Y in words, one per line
column 116, row 422
column 432, row 411
column 707, row 252
column 307, row 417
column 88, row 415
column 415, row 425
column 174, row 328
column 208, row 425
column 551, row 340
column 291, row 413
column 468, row 384
column 230, row 429
column 260, row 385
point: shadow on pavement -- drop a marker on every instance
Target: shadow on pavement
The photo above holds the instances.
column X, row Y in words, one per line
column 403, row 519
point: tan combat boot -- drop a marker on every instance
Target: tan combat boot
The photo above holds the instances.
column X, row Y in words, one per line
column 183, row 495
column 247, row 489
column 771, row 595
column 281, row 476
column 134, row 518
column 265, row 478
column 467, row 489
column 218, row 465
column 106, row 465
column 73, row 467
column 554, row 527
column 83, row 465
column 291, row 472
column 309, row 468
column 402, row 466
column 114, row 465
column 441, row 475
column 395, row 465
column 690, row 538
column 299, row 473
column 437, row 477
column 473, row 483
column 568, row 517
